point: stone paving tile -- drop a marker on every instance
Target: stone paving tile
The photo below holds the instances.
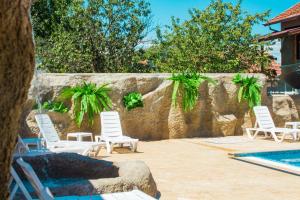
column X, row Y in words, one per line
column 194, row 169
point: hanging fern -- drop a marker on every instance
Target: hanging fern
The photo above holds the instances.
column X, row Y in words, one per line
column 88, row 100
column 53, row 106
column 250, row 89
column 187, row 84
column 133, row 100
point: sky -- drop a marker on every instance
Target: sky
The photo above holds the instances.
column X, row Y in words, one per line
column 163, row 10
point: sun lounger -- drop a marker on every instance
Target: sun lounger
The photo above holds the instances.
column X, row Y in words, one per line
column 22, row 149
column 111, row 132
column 265, row 124
column 54, row 144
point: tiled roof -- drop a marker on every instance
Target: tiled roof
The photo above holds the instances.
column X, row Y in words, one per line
column 289, row 13
column 280, row 34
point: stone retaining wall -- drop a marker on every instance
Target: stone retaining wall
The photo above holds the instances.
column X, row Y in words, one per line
column 217, row 112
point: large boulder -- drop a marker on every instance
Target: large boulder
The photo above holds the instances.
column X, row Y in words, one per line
column 72, row 174
column 176, row 123
column 284, row 109
column 224, row 125
column 131, row 174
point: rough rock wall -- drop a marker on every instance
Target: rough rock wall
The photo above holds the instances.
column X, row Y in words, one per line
column 217, row 112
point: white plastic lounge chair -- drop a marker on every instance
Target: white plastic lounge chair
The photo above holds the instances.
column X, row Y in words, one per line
column 44, row 193
column 54, row 144
column 22, row 149
column 266, row 125
column 37, row 142
column 111, row 132
column 15, row 182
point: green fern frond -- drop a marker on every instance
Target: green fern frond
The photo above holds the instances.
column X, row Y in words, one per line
column 250, row 90
column 88, row 100
column 187, row 84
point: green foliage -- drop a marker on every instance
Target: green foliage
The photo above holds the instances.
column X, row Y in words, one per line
column 216, row 39
column 104, row 36
column 89, row 35
column 133, row 100
column 250, row 90
column 187, row 85
column 53, row 106
column 88, row 100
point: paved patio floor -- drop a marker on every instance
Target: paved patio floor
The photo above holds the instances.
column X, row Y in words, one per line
column 198, row 169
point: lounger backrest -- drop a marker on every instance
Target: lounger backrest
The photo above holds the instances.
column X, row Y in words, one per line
column 110, row 124
column 46, row 128
column 42, row 192
column 263, row 117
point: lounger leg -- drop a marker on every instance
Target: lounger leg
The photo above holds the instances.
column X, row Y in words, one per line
column 109, row 147
column 86, row 152
column 255, row 134
column 295, row 136
column 133, row 146
column 283, row 137
column 276, row 138
column 249, row 134
column 98, row 150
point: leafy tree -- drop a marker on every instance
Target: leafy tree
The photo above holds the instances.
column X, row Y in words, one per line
column 47, row 15
column 89, row 35
column 216, row 39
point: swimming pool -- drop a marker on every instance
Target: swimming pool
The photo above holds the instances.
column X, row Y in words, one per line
column 287, row 161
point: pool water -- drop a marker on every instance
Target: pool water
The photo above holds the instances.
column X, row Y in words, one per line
column 289, row 158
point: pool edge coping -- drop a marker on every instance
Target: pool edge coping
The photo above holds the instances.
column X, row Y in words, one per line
column 267, row 164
